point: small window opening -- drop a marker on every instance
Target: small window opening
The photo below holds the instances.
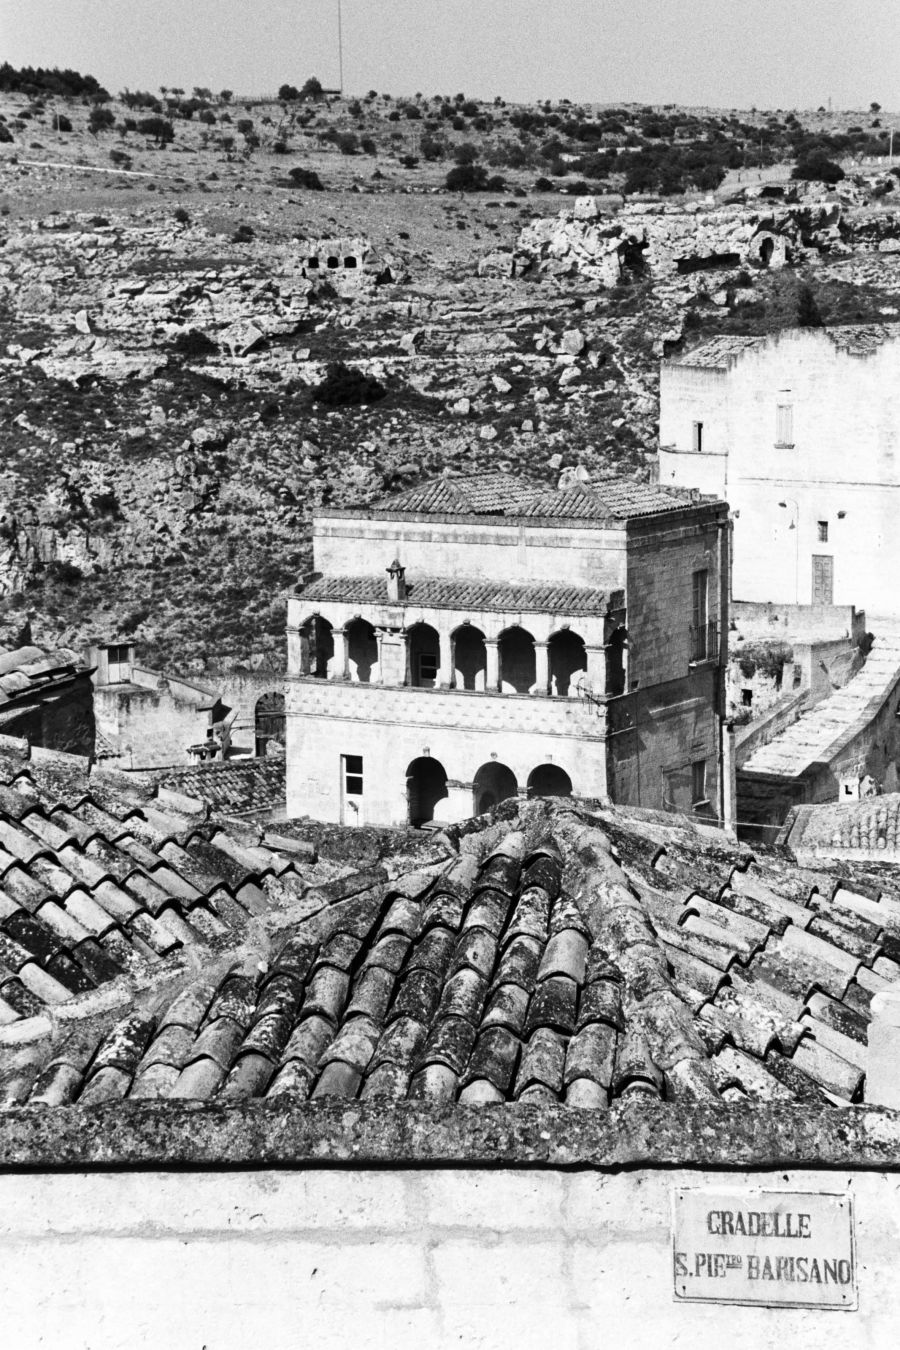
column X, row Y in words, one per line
column 822, row 530
column 798, row 675
column 353, row 775
column 698, row 781
column 747, row 698
column 350, row 262
column 118, row 664
column 333, row 262
column 697, row 437
column 313, row 262
column 428, row 669
column 784, row 424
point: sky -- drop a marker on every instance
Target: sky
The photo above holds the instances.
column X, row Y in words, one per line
column 727, row 53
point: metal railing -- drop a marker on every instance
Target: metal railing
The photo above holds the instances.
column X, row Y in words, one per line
column 704, row 642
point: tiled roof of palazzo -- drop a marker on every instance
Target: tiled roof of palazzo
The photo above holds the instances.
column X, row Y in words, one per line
column 102, row 876
column 563, row 957
column 504, row 495
column 856, row 339
column 450, row 593
column 235, row 785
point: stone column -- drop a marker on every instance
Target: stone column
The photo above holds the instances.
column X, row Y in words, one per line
column 298, row 652
column 492, row 666
column 541, row 668
column 595, row 675
column 338, row 669
column 444, row 677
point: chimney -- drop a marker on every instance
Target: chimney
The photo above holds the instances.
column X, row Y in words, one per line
column 396, row 582
column 883, row 1058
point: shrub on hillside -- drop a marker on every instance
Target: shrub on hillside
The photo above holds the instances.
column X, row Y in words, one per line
column 817, row 168
column 467, row 178
column 305, row 178
column 61, row 123
column 159, row 128
column 344, row 386
column 101, row 119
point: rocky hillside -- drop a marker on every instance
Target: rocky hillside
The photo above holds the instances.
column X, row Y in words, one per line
column 195, row 352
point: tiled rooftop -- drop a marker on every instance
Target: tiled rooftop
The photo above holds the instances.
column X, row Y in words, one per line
column 501, row 494
column 560, row 957
column 29, row 671
column 856, row 339
column 449, row 593
column 233, row 786
column 822, row 732
column 101, row 876
column 865, row 831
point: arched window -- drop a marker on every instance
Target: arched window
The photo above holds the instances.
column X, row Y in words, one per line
column 549, row 780
column 518, row 669
column 424, row 648
column 350, row 262
column 316, row 646
column 469, row 658
column 362, row 651
column 270, row 724
column 332, row 262
column 426, row 785
column 567, row 659
column 313, row 262
column 494, row 783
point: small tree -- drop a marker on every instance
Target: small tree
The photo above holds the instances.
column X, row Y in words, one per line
column 226, row 95
column 305, row 178
column 60, row 123
column 288, row 92
column 817, row 168
column 312, row 89
column 467, row 178
column 100, row 119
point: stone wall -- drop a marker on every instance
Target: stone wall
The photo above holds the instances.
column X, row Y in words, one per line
column 461, row 730
column 435, row 546
column 410, row 1258
column 840, row 469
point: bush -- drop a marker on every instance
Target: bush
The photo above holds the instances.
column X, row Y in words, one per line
column 61, row 122
column 242, row 235
column 496, row 183
column 312, row 89
column 367, row 146
column 288, row 93
column 817, row 168
column 544, row 185
column 306, row 178
column 101, row 119
column 5, row 134
column 467, row 178
column 181, row 216
column 208, row 117
column 159, row 128
column 64, row 572
column 344, row 386
column 347, row 142
column 120, row 158
column 192, row 343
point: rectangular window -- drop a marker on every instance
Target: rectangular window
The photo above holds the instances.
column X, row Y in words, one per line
column 746, row 698
column 698, row 782
column 700, row 637
column 353, row 775
column 118, row 664
column 822, row 529
column 697, row 437
column 798, row 675
column 784, row 424
column 428, row 668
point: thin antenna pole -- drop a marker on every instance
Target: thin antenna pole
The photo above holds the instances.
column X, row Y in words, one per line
column 340, row 49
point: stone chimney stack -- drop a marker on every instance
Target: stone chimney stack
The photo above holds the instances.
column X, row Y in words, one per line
column 396, row 582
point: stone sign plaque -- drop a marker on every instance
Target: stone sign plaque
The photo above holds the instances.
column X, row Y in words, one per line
column 778, row 1248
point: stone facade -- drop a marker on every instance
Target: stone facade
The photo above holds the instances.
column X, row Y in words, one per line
column 437, row 700
column 800, row 432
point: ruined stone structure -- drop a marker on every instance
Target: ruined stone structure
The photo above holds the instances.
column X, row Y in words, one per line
column 471, row 641
column 345, row 262
column 800, row 431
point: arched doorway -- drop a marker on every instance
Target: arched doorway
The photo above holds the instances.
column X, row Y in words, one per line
column 469, row 658
column 615, row 663
column 270, row 725
column 362, row 650
column 518, row 669
column 549, row 780
column 426, row 785
column 316, row 647
column 567, row 660
column 424, row 655
column 494, row 783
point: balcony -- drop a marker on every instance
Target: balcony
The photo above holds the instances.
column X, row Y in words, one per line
column 704, row 643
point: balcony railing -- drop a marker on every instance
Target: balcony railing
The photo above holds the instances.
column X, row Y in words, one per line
column 704, row 642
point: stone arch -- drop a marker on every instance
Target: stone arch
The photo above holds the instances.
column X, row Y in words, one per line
column 549, row 780
column 270, row 724
column 518, row 667
column 494, row 783
column 567, row 659
column 316, row 646
column 362, row 651
column 350, row 262
column 332, row 262
column 469, row 663
column 313, row 262
column 423, row 655
column 426, row 785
